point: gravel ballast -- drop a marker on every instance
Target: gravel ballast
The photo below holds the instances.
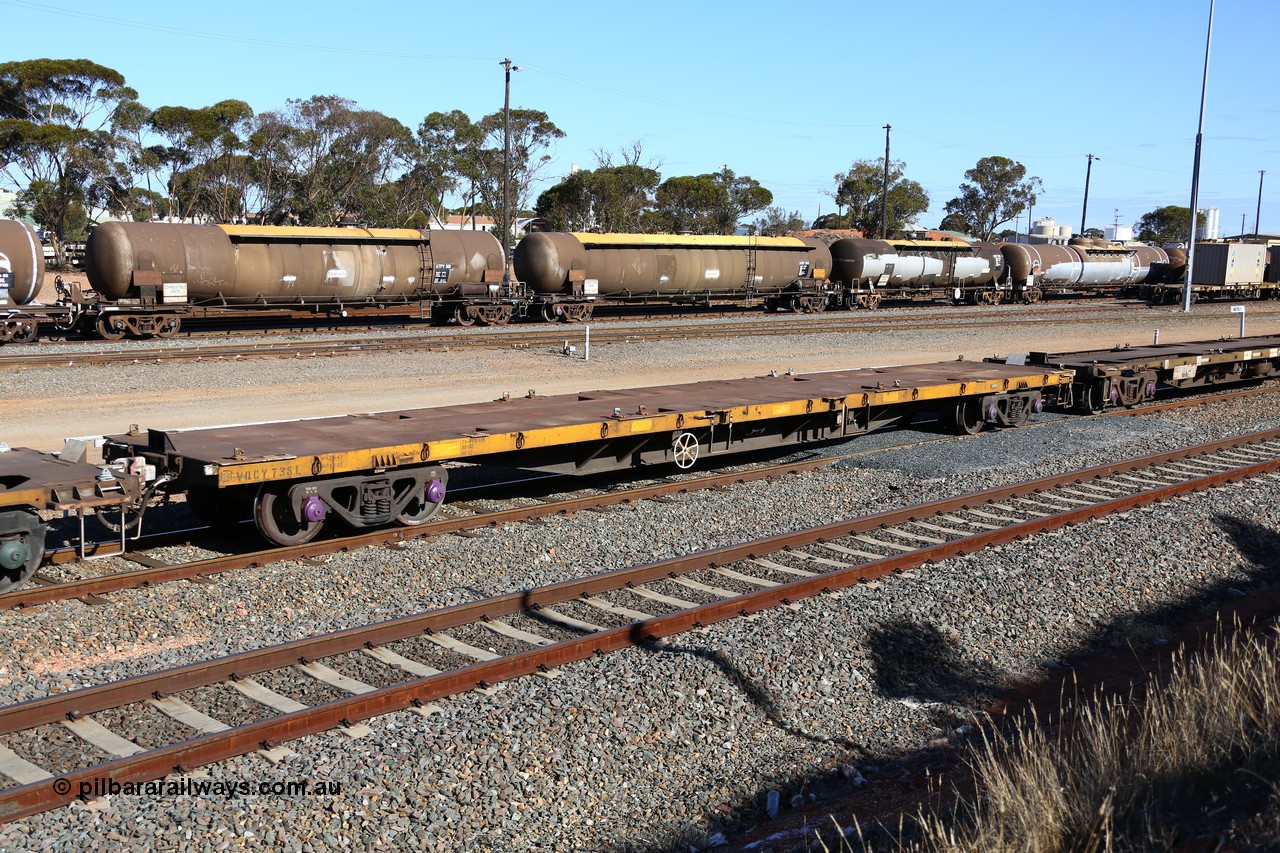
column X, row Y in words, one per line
column 672, row 744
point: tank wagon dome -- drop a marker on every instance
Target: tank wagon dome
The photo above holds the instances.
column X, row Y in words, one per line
column 22, row 256
column 256, row 263
column 628, row 265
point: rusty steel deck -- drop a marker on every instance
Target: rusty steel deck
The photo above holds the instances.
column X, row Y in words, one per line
column 1166, row 356
column 276, row 451
column 39, row 480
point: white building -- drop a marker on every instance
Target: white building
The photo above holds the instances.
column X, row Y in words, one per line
column 1118, row 233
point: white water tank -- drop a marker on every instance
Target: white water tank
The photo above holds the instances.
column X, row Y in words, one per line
column 1210, row 230
column 1046, row 227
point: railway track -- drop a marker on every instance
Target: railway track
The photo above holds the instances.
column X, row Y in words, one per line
column 512, row 338
column 46, row 590
column 155, row 572
column 543, row 629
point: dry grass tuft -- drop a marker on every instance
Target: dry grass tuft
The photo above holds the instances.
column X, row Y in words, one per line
column 1128, row 772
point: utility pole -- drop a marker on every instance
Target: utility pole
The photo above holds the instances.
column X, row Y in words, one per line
column 1195, row 172
column 1262, row 173
column 506, row 171
column 1087, row 173
column 884, row 188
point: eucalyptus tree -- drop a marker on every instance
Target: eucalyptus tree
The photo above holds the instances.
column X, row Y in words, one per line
column 861, row 190
column 58, row 136
column 996, row 190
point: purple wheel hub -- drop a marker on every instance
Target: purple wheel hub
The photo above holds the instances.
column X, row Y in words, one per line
column 435, row 492
column 1151, row 386
column 313, row 509
column 1037, row 406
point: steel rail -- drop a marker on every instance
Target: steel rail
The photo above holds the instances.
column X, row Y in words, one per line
column 87, row 587
column 491, row 339
column 195, row 327
column 181, row 757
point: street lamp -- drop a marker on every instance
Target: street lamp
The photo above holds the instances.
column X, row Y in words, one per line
column 1262, row 173
column 506, row 171
column 1085, row 210
column 884, row 188
column 1195, row 173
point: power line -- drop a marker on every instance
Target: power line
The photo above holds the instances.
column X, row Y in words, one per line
column 182, row 31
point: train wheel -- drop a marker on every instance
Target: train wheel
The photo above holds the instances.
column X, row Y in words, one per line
column 870, row 301
column 549, row 312
column 1092, row 399
column 1031, row 296
column 424, row 504
column 25, row 332
column 684, row 447
column 275, row 520
column 967, row 418
column 168, row 327
column 462, row 318
column 21, row 548
column 110, row 327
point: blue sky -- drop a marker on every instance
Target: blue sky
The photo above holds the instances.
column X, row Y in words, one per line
column 788, row 94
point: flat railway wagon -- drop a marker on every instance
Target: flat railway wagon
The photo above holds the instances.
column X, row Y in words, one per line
column 1221, row 271
column 294, row 477
column 33, row 481
column 1127, row 376
column 569, row 273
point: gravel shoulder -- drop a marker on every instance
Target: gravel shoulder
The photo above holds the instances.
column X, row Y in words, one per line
column 44, row 405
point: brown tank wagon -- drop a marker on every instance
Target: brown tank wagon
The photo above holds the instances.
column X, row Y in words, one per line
column 21, row 263
column 21, row 274
column 228, row 265
column 570, row 272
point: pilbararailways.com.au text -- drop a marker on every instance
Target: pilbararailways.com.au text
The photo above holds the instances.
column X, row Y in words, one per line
column 197, row 786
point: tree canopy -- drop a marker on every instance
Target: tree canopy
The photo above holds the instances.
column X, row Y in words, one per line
column 861, row 191
column 995, row 191
column 58, row 142
column 1168, row 224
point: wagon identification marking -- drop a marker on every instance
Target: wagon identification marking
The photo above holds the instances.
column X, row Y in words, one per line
column 240, row 475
